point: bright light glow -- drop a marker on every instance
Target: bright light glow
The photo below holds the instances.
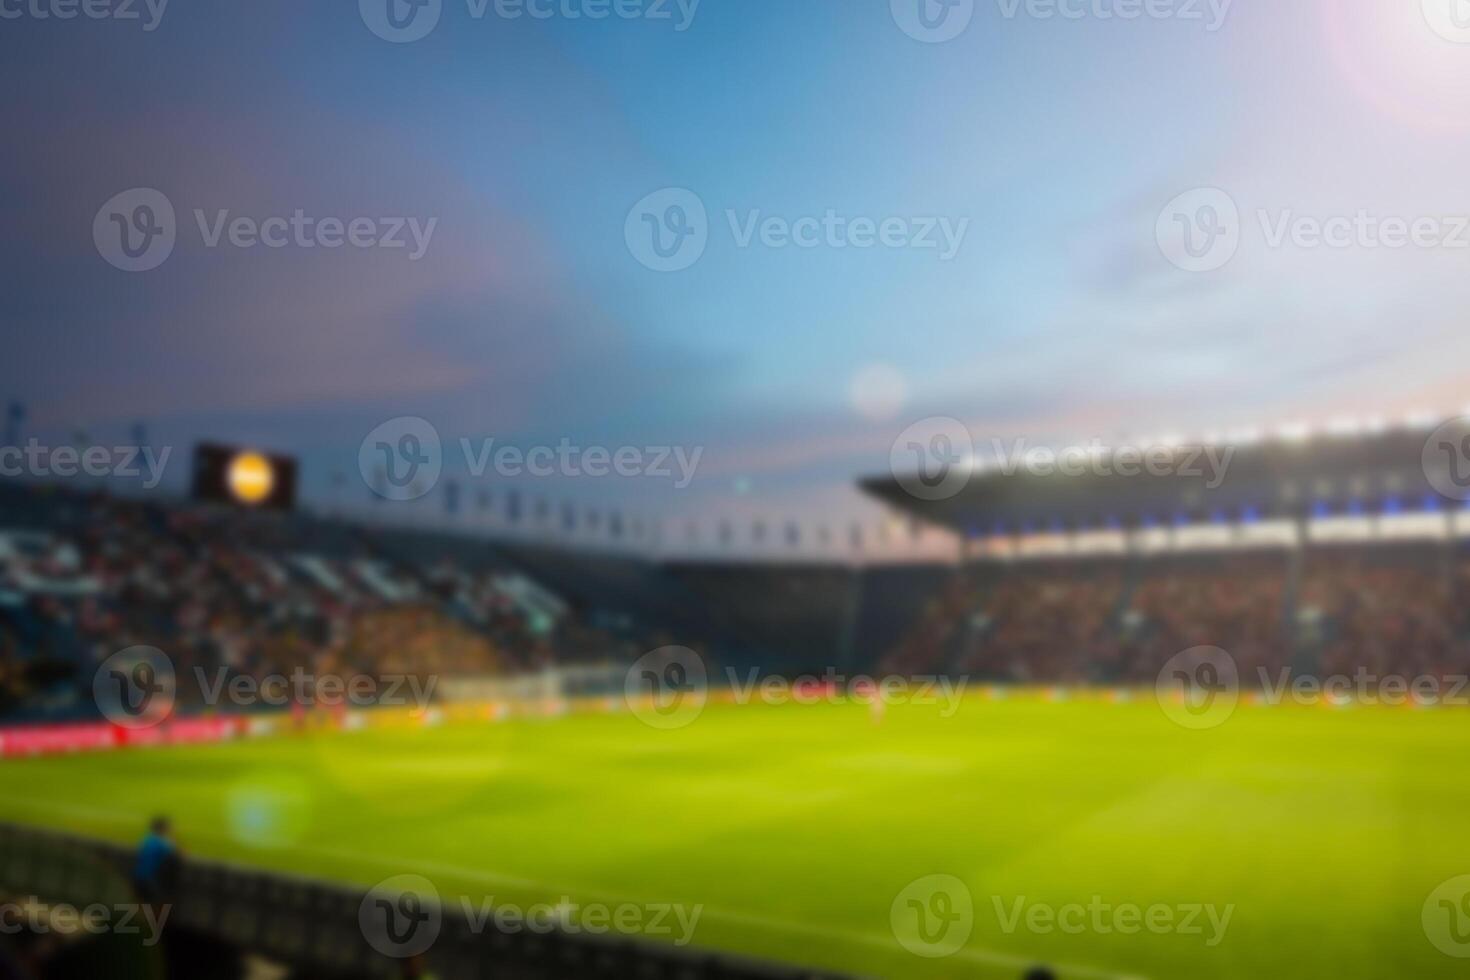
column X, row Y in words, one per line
column 1422, row 419
column 251, row 478
column 877, row 392
column 1395, row 59
column 1246, row 436
column 1294, row 432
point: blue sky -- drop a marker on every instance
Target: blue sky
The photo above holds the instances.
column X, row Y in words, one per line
column 1058, row 140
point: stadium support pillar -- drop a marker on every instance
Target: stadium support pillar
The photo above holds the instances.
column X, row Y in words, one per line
column 1447, row 553
column 849, row 617
column 1300, row 523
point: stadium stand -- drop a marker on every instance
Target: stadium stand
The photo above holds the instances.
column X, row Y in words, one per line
column 82, row 576
column 1328, row 552
column 220, row 914
column 1383, row 608
column 1386, row 609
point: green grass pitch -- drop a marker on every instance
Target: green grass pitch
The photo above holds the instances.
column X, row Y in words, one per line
column 797, row 826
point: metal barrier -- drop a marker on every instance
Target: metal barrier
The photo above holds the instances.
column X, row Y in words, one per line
column 314, row 925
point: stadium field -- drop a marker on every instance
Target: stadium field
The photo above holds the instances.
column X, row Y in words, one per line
column 1322, row 831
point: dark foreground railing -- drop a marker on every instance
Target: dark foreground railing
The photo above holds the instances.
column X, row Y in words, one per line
column 315, row 927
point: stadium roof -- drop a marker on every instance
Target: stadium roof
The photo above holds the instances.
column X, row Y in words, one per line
column 1127, row 487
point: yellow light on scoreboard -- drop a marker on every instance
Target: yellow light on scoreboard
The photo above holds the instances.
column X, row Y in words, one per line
column 251, row 478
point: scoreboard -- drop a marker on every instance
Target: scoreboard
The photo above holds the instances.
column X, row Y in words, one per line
column 244, row 477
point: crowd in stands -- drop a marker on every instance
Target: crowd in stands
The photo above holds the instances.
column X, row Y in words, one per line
column 82, row 577
column 1237, row 603
column 15, row 687
column 935, row 630
column 1330, row 611
column 1046, row 624
column 1387, row 613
